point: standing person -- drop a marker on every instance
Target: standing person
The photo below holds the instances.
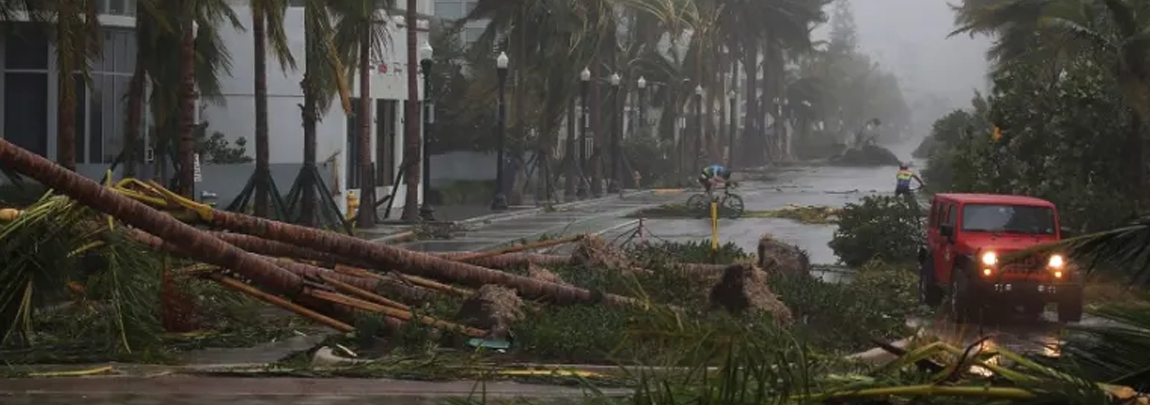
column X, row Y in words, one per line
column 903, row 178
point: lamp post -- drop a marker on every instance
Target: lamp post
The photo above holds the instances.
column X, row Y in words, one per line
column 426, row 211
column 499, row 203
column 613, row 186
column 698, row 124
column 642, row 83
column 732, row 130
column 585, row 80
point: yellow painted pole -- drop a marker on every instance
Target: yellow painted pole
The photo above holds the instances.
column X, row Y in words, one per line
column 714, row 225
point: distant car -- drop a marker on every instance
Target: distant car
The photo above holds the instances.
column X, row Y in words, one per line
column 967, row 234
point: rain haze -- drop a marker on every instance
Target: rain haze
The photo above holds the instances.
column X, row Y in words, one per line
column 910, row 38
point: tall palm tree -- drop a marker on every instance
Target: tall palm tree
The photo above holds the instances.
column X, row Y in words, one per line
column 1111, row 31
column 323, row 79
column 76, row 31
column 267, row 28
column 412, row 126
column 360, row 33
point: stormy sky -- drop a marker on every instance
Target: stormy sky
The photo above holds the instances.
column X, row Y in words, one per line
column 909, row 37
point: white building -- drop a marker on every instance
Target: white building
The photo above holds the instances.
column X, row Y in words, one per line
column 336, row 141
column 452, row 10
column 28, row 106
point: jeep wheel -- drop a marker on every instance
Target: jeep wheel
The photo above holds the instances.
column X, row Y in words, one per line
column 960, row 300
column 928, row 292
column 1070, row 307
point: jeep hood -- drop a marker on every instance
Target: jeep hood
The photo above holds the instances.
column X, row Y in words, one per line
column 1004, row 244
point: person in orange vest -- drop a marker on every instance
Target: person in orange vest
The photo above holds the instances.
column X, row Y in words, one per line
column 902, row 184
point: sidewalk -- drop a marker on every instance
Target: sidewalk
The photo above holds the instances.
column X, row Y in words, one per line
column 179, row 390
column 588, row 216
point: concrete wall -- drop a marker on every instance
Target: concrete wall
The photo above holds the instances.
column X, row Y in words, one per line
column 234, row 117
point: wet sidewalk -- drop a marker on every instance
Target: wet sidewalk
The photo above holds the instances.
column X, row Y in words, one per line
column 180, row 390
column 567, row 219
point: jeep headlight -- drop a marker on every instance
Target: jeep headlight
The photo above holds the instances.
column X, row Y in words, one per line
column 989, row 258
column 1056, row 262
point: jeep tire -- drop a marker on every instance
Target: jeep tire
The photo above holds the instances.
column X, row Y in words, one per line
column 1070, row 305
column 928, row 291
column 961, row 299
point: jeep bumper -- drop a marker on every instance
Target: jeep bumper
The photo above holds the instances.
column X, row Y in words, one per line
column 1028, row 290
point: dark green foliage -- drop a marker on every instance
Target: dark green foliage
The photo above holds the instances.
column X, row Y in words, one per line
column 216, row 148
column 651, row 157
column 884, row 227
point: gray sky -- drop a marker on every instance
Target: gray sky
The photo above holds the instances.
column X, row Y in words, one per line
column 909, row 37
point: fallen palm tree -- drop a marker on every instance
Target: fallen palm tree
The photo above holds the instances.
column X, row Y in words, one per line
column 387, row 257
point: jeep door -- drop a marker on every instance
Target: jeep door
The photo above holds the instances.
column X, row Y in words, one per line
column 943, row 251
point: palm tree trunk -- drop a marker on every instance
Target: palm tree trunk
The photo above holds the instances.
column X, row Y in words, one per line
column 365, row 217
column 310, row 120
column 263, row 149
column 754, row 146
column 571, row 175
column 187, row 143
column 412, row 126
column 405, row 261
column 66, row 93
column 200, row 245
column 135, row 117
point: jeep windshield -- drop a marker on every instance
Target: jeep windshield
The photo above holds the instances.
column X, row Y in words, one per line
column 1008, row 219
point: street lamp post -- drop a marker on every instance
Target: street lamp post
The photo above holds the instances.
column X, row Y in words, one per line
column 426, row 211
column 698, row 124
column 639, row 103
column 585, row 80
column 613, row 186
column 499, row 203
column 732, row 130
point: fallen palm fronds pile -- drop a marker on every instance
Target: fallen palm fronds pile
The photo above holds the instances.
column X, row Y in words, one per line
column 807, row 214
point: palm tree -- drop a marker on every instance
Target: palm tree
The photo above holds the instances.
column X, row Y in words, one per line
column 160, row 26
column 360, row 33
column 267, row 27
column 412, row 126
column 324, row 77
column 78, row 41
column 1110, row 31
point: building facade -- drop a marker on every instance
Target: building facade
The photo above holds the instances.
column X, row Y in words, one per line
column 337, row 131
column 452, row 10
column 28, row 108
column 29, row 85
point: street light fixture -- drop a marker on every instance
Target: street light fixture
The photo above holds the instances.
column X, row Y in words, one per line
column 426, row 211
column 642, row 83
column 613, row 186
column 585, row 80
column 499, row 202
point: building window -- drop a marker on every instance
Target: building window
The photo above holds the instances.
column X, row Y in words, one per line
column 472, row 34
column 385, row 142
column 449, row 10
column 26, row 111
column 116, row 7
column 26, row 49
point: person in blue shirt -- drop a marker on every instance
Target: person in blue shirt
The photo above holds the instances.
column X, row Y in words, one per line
column 714, row 175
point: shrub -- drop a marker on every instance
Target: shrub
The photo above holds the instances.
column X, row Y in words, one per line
column 879, row 227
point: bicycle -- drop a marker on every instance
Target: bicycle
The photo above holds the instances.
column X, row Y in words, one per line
column 730, row 204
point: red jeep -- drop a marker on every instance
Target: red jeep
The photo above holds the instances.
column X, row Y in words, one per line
column 966, row 236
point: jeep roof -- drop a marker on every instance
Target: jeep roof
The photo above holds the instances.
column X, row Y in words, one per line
column 1004, row 199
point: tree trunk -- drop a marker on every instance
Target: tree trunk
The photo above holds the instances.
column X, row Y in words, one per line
column 571, row 176
column 310, row 120
column 518, row 183
column 752, row 142
column 263, row 149
column 411, row 128
column 187, row 144
column 200, row 245
column 66, row 95
column 135, row 117
column 365, row 217
column 597, row 128
column 406, row 261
